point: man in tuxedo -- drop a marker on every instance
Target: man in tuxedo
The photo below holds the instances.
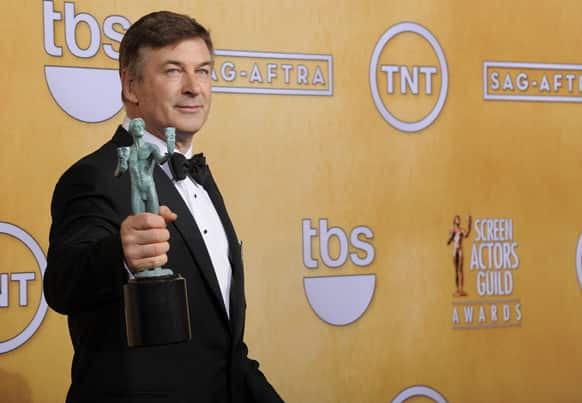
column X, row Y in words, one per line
column 96, row 243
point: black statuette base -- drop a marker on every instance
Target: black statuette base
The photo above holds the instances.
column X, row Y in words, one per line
column 156, row 311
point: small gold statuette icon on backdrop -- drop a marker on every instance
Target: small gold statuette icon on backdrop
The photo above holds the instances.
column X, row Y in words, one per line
column 456, row 236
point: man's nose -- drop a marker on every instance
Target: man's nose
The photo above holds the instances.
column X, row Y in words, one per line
column 191, row 84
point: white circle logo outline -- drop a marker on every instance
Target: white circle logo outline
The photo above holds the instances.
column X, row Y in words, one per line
column 416, row 391
column 34, row 325
column 409, row 127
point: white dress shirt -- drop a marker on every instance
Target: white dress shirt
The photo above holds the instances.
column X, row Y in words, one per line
column 206, row 217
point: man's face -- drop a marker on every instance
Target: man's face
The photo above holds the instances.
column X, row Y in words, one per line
column 174, row 89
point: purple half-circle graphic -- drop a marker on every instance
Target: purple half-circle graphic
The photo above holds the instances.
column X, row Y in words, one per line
column 340, row 300
column 90, row 95
column 417, row 391
column 579, row 260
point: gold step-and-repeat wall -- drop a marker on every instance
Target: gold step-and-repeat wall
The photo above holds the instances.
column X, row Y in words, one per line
column 346, row 137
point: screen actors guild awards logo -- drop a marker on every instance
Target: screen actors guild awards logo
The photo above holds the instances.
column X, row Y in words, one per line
column 493, row 266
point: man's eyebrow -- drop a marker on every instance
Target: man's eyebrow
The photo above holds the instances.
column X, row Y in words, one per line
column 172, row 62
column 206, row 63
column 178, row 63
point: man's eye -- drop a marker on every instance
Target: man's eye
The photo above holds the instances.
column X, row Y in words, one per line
column 203, row 72
column 172, row 72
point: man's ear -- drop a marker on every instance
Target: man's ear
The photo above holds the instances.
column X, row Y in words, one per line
column 128, row 86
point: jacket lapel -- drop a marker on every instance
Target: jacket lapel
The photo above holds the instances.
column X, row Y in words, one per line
column 237, row 299
column 190, row 232
column 122, row 138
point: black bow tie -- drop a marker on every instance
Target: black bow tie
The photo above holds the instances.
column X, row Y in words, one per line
column 194, row 167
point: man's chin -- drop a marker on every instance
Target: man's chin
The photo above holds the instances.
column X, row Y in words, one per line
column 186, row 131
column 186, row 127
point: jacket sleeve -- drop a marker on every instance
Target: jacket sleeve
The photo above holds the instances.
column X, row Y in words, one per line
column 85, row 259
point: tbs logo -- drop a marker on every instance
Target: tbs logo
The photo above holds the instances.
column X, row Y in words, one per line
column 338, row 299
column 87, row 94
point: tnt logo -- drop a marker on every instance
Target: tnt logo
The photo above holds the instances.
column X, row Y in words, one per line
column 22, row 303
column 408, row 77
column 88, row 94
column 22, row 279
column 338, row 299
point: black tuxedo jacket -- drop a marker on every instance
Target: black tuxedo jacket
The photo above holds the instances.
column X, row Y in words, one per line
column 84, row 279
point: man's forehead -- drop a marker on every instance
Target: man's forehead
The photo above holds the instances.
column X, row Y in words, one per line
column 191, row 46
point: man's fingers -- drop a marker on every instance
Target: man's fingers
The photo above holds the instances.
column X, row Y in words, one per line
column 149, row 263
column 145, row 221
column 149, row 236
column 145, row 239
column 167, row 214
column 139, row 257
column 137, row 252
column 132, row 236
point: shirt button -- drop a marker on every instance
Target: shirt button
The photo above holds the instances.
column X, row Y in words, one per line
column 205, row 231
column 195, row 195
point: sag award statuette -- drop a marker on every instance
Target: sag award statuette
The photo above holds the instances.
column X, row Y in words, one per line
column 156, row 302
